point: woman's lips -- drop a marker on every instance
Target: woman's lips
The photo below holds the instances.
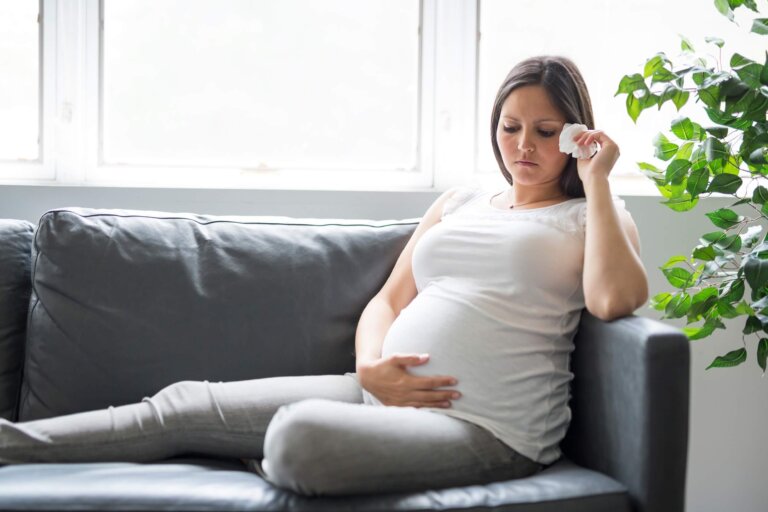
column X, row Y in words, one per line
column 525, row 164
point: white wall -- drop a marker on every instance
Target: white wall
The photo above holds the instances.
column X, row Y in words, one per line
column 727, row 463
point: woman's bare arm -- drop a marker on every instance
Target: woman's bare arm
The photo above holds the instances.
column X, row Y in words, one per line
column 387, row 378
column 615, row 281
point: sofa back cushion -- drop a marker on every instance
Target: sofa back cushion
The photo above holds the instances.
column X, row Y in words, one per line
column 127, row 302
column 15, row 243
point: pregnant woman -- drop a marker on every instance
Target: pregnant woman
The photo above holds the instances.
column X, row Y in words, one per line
column 462, row 357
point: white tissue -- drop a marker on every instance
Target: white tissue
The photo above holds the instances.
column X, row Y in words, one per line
column 568, row 145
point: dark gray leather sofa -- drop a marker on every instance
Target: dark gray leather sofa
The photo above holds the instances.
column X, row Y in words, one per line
column 104, row 307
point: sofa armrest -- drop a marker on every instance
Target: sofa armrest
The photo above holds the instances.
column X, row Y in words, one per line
column 629, row 401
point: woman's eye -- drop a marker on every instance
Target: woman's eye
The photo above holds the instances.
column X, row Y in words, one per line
column 544, row 133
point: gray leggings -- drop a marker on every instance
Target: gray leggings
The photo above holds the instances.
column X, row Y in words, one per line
column 314, row 434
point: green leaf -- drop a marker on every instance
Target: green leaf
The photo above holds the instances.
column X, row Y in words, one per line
column 677, row 171
column 702, row 302
column 756, row 272
column 724, row 8
column 762, row 352
column 719, row 117
column 686, row 129
column 724, row 218
column 760, row 26
column 678, row 306
column 732, row 165
column 680, row 98
column 760, row 195
column 730, row 243
column 725, row 183
column 654, row 64
column 685, row 44
column 685, row 151
column 696, row 333
column 744, row 309
column 664, row 149
column 743, row 200
column 716, row 40
column 698, row 158
column 758, row 156
column 716, row 78
column 714, row 149
column 739, row 61
column 710, row 96
column 750, row 78
column 717, row 131
column 705, row 293
column 714, row 236
column 660, row 300
column 631, row 83
column 678, row 277
column 732, row 358
column 752, row 325
column 652, row 172
column 633, row 107
column 663, row 75
column 749, row 4
column 681, row 203
column 704, row 253
column 764, row 73
column 726, row 310
column 733, row 291
column 698, row 181
column 673, row 261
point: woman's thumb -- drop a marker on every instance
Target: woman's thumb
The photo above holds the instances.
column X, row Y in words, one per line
column 412, row 359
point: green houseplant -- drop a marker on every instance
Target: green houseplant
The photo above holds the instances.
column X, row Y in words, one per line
column 726, row 274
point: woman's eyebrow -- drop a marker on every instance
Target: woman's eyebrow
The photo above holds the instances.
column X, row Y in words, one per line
column 511, row 118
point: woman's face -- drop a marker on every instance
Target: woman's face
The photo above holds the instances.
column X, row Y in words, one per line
column 529, row 130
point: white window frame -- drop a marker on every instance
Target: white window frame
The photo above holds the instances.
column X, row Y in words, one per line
column 39, row 169
column 71, row 38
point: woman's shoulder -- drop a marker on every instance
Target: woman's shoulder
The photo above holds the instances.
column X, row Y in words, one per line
column 460, row 196
column 580, row 208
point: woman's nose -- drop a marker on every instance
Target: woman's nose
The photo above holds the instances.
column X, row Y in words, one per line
column 524, row 143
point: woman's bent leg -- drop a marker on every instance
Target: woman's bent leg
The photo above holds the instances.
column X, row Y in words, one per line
column 318, row 447
column 220, row 419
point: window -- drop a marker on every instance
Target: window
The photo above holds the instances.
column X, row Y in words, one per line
column 315, row 94
column 264, row 85
column 19, row 87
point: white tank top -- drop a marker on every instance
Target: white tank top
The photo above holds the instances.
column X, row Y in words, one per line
column 499, row 300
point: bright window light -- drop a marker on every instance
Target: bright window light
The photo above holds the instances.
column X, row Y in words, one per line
column 19, row 81
column 261, row 84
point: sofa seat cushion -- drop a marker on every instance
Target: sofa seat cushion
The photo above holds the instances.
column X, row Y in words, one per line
column 219, row 484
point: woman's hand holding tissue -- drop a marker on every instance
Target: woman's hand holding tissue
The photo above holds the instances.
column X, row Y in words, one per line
column 595, row 152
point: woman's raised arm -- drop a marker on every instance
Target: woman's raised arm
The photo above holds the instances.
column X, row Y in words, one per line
column 615, row 282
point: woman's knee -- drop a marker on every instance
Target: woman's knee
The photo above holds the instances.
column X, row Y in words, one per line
column 178, row 404
column 300, row 442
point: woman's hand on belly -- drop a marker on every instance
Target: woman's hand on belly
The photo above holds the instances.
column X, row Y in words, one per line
column 388, row 380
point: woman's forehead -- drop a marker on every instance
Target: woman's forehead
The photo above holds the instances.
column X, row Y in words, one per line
column 530, row 103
